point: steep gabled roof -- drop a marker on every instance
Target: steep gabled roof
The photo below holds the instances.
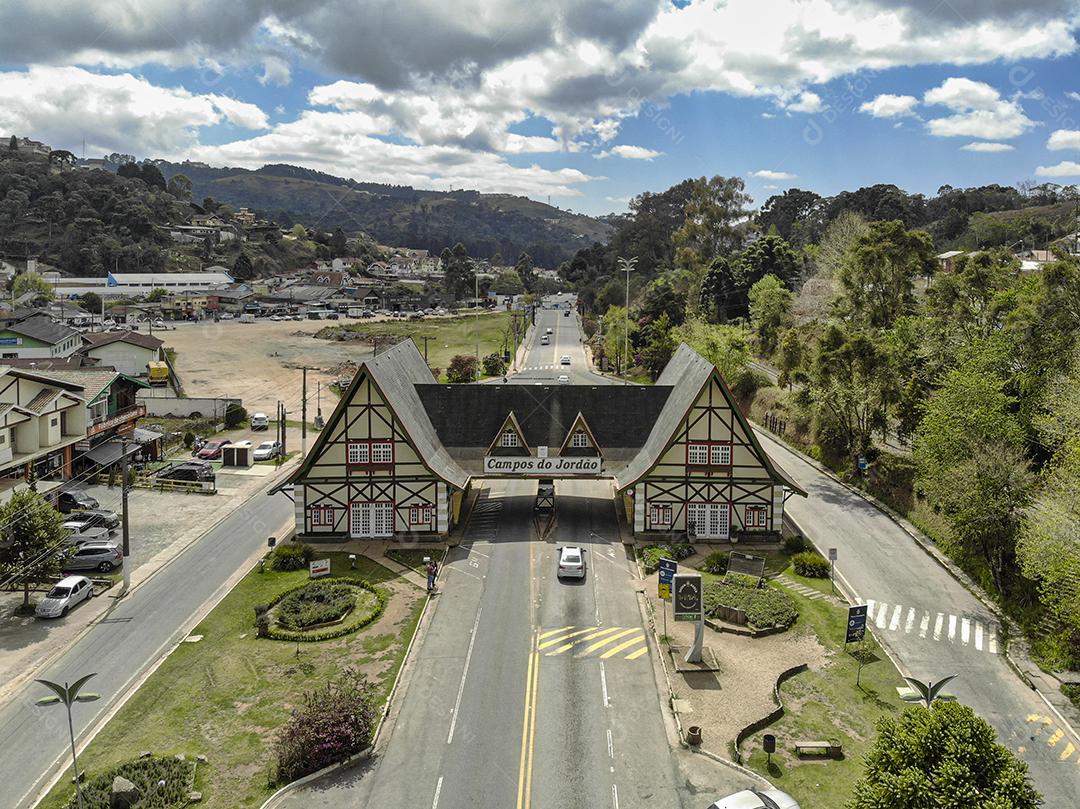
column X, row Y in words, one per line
column 131, row 337
column 580, row 424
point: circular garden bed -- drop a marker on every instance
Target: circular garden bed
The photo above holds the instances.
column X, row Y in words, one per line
column 322, row 609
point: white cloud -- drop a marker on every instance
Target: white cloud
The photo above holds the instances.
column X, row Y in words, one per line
column 1064, row 139
column 275, row 70
column 806, row 102
column 1066, row 168
column 769, row 174
column 890, row 106
column 979, row 111
column 63, row 105
column 1073, row 95
column 987, row 147
column 629, row 152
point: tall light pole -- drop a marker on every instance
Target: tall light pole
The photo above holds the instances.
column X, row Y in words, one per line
column 627, row 266
column 476, row 319
column 68, row 694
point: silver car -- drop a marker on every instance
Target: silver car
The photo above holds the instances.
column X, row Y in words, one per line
column 571, row 563
column 757, row 799
column 64, row 595
column 103, row 556
column 267, row 450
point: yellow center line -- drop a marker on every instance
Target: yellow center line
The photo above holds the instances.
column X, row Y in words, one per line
column 638, row 653
column 566, row 637
column 609, row 639
column 625, row 645
column 521, row 795
column 532, row 730
column 551, row 632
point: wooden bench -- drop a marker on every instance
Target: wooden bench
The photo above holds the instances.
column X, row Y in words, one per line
column 831, row 749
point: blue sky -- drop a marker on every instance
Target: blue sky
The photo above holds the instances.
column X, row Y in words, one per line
column 587, row 103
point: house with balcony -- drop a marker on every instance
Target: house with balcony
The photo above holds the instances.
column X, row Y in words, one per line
column 41, row 421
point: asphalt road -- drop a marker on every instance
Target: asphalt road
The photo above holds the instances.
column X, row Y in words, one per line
column 932, row 624
column 542, row 364
column 509, row 700
column 120, row 647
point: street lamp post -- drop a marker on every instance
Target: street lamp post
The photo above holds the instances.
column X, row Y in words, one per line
column 67, row 694
column 929, row 690
column 627, row 266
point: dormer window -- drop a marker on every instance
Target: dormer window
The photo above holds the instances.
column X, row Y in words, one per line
column 509, row 439
column 580, row 440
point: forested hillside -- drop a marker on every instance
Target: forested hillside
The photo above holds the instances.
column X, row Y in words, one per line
column 837, row 326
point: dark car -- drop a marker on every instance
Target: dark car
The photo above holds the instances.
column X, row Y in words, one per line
column 74, row 500
column 188, row 470
column 94, row 518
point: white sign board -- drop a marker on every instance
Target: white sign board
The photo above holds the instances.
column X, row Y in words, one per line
column 832, row 554
column 541, row 452
column 540, row 467
column 319, row 567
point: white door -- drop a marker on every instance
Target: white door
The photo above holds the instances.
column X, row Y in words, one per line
column 371, row 519
column 710, row 520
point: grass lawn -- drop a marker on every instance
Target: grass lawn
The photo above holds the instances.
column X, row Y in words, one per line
column 449, row 336
column 226, row 695
column 411, row 557
column 826, row 705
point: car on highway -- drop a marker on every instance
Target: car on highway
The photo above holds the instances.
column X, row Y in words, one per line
column 564, row 360
column 74, row 500
column 543, row 339
column 566, row 313
column 103, row 556
column 549, row 330
column 267, row 450
column 64, row 595
column 564, row 379
column 196, row 471
column 211, row 450
column 260, row 421
column 756, row 799
column 571, row 562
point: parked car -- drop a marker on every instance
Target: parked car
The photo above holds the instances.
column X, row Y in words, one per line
column 80, row 534
column 571, row 562
column 74, row 500
column 297, row 317
column 367, row 313
column 96, row 518
column 260, row 421
column 196, row 471
column 211, row 450
column 564, row 360
column 267, row 450
column 64, row 595
column 333, row 316
column 103, row 556
column 226, row 316
column 276, row 318
column 756, row 799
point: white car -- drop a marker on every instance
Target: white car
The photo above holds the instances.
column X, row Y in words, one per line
column 564, row 360
column 64, row 595
column 267, row 450
column 757, row 799
column 226, row 316
column 571, row 562
column 550, row 330
column 260, row 421
column 564, row 379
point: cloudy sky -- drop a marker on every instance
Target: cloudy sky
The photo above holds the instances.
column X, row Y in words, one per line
column 586, row 102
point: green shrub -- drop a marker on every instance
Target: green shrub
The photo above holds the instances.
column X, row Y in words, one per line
column 651, row 555
column 812, row 565
column 147, row 774
column 764, row 608
column 741, row 580
column 1072, row 691
column 715, row 563
column 336, row 722
column 317, row 603
column 683, row 550
column 189, row 439
column 294, row 556
column 330, row 632
column 235, row 415
column 795, row 543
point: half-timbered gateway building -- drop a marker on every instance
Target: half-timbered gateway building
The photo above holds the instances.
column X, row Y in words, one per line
column 398, row 454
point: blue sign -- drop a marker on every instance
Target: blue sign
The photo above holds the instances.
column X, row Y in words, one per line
column 9, row 341
column 667, row 574
column 856, row 623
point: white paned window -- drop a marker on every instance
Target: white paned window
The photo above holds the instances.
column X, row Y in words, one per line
column 697, row 454
column 720, row 454
column 420, row 515
column 371, row 519
column 509, row 439
column 757, row 517
column 659, row 514
column 709, row 520
column 580, row 440
column 322, row 515
column 359, row 452
column 382, row 452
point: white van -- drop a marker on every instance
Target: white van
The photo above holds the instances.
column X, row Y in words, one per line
column 259, row 421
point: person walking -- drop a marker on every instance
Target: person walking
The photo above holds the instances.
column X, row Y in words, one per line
column 431, row 571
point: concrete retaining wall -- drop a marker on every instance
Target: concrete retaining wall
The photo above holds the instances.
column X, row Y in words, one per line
column 157, row 405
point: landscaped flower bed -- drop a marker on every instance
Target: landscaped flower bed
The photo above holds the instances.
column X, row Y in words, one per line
column 764, row 608
column 323, row 609
column 315, row 604
column 147, row 774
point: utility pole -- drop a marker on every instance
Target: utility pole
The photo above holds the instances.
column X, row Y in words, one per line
column 303, row 415
column 124, row 515
column 476, row 319
column 280, row 433
column 425, row 339
column 284, row 416
column 626, row 266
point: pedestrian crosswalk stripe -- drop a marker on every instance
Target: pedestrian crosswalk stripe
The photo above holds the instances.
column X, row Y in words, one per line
column 1067, row 752
column 1055, row 737
column 605, row 643
column 552, row 642
column 638, row 653
column 624, row 645
column 973, row 632
column 551, row 632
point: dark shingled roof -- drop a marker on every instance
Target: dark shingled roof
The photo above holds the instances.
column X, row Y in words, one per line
column 471, row 415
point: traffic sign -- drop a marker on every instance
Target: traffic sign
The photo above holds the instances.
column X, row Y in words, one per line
column 832, row 554
column 856, row 623
column 667, row 573
column 688, row 596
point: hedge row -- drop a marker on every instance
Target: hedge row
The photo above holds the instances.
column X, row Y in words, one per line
column 320, row 602
column 764, row 608
column 650, row 556
column 812, row 565
column 333, row 631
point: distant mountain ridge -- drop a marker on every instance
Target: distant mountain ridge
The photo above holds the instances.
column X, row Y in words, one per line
column 399, row 214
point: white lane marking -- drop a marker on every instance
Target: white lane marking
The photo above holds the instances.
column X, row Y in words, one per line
column 603, row 683
column 894, row 624
column 924, row 624
column 965, row 630
column 438, row 789
column 952, row 628
column 910, row 621
column 978, row 636
column 882, row 609
column 464, row 674
column 991, row 641
column 937, row 625
column 615, row 796
column 610, row 745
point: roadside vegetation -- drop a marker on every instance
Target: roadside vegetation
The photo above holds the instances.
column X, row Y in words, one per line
column 230, row 695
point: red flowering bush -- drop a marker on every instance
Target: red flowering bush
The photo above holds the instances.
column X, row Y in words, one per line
column 336, row 722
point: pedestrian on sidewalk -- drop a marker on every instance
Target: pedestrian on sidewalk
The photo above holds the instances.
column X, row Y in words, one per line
column 432, row 570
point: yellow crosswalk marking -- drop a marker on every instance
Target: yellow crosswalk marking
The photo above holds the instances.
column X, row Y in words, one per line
column 625, row 645
column 1055, row 737
column 590, row 631
column 1067, row 752
column 1031, row 717
column 551, row 632
column 605, row 641
column 638, row 653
